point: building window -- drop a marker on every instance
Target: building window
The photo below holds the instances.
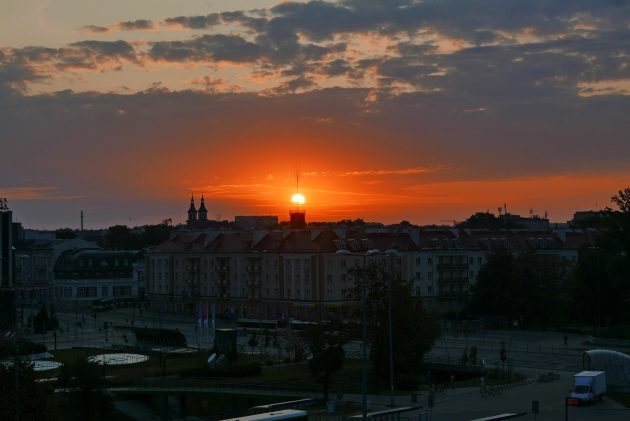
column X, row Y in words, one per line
column 418, row 275
column 329, row 279
column 418, row 291
column 430, row 276
column 86, row 292
column 429, row 290
column 122, row 291
column 343, row 278
column 104, row 292
column 429, row 261
column 418, row 261
column 343, row 263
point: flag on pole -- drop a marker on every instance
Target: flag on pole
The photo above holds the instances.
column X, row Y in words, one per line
column 205, row 314
column 214, row 313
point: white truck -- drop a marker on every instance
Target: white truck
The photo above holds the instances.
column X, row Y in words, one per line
column 588, row 386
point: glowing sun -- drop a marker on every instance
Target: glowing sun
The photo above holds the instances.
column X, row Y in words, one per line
column 298, row 199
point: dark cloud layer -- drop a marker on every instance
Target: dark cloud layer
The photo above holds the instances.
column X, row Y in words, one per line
column 492, row 88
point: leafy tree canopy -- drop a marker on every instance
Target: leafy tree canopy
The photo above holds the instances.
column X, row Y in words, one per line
column 325, row 342
column 414, row 331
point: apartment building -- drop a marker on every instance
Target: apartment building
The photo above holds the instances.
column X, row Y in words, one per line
column 300, row 273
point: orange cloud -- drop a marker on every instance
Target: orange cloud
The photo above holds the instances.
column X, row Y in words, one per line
column 35, row 193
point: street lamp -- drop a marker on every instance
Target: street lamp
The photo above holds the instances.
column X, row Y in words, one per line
column 392, row 255
column 362, row 273
column 366, row 272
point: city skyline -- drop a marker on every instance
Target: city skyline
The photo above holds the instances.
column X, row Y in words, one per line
column 424, row 111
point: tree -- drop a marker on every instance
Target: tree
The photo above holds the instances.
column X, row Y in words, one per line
column 41, row 321
column 295, row 347
column 491, row 294
column 31, row 397
column 65, row 234
column 503, row 356
column 600, row 289
column 156, row 234
column 325, row 342
column 253, row 341
column 473, row 355
column 120, row 237
column 622, row 200
column 487, row 220
column 464, row 358
column 414, row 331
column 53, row 322
column 529, row 287
column 87, row 378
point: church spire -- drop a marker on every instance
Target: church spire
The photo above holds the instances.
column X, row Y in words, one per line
column 203, row 212
column 192, row 211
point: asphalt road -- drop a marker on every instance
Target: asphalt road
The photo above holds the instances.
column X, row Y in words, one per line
column 531, row 352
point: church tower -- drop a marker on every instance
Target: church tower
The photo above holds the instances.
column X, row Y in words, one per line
column 203, row 212
column 192, row 212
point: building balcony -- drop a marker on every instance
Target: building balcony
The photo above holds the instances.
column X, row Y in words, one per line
column 452, row 295
column 452, row 266
column 458, row 280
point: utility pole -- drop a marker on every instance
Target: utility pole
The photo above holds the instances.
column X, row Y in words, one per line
column 392, row 273
column 16, row 362
column 364, row 344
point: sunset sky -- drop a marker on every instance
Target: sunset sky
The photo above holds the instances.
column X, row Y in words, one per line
column 426, row 111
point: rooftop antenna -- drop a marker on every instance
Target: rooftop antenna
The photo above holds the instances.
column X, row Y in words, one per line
column 81, row 221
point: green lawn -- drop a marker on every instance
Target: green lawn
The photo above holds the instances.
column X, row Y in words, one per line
column 297, row 374
column 136, row 372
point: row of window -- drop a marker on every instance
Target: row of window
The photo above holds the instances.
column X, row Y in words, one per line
column 91, row 291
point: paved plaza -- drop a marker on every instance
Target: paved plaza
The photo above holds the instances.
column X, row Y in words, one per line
column 531, row 353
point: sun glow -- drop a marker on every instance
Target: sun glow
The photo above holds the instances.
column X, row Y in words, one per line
column 298, row 199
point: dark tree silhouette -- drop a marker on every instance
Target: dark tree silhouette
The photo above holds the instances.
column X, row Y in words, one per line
column 325, row 342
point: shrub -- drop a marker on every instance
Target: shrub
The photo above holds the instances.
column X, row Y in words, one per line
column 245, row 369
column 406, row 382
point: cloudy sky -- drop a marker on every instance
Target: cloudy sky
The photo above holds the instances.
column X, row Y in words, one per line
column 390, row 109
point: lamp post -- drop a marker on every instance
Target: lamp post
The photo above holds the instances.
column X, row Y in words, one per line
column 364, row 346
column 392, row 254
